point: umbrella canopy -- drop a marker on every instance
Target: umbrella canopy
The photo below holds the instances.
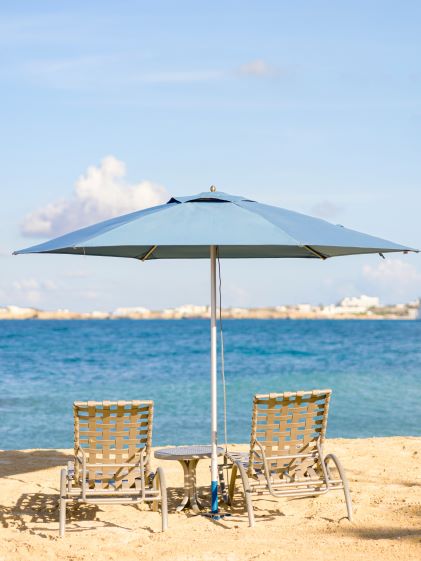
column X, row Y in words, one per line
column 203, row 225
column 185, row 228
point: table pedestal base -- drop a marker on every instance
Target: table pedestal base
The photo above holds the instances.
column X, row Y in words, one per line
column 190, row 499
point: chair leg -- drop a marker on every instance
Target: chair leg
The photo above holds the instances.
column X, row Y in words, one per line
column 247, row 492
column 62, row 514
column 223, row 485
column 231, row 489
column 164, row 502
column 345, row 483
column 155, row 485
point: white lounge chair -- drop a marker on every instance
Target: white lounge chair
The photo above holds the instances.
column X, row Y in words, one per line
column 286, row 450
column 112, row 458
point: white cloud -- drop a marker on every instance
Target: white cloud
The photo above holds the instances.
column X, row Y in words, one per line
column 34, row 284
column 101, row 193
column 44, row 293
column 31, row 290
column 258, row 67
column 103, row 72
column 394, row 278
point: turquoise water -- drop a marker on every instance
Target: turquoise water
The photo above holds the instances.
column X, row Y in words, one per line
column 373, row 368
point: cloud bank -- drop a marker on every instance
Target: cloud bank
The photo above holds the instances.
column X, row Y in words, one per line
column 101, row 193
column 31, row 290
column 393, row 277
column 96, row 72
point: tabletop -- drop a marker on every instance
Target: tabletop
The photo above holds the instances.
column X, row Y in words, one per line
column 186, row 452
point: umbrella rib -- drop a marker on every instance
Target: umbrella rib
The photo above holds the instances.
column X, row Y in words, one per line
column 246, row 209
column 148, row 253
column 315, row 252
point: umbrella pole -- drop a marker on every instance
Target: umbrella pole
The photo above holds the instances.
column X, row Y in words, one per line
column 214, row 408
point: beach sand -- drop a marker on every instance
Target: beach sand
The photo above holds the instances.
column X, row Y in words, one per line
column 385, row 479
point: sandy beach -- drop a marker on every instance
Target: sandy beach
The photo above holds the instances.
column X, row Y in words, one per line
column 385, row 478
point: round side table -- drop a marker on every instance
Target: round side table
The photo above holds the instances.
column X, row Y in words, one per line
column 189, row 457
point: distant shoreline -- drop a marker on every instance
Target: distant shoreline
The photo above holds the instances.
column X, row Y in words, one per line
column 2, row 320
column 81, row 317
column 362, row 307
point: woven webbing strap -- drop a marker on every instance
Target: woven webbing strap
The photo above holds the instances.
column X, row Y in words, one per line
column 286, row 424
column 113, row 432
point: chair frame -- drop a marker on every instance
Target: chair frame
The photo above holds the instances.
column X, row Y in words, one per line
column 258, row 471
column 106, row 482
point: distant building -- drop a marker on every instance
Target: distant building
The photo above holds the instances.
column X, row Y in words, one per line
column 363, row 302
column 304, row 308
column 414, row 313
column 130, row 312
column 190, row 310
column 352, row 305
column 98, row 315
column 16, row 312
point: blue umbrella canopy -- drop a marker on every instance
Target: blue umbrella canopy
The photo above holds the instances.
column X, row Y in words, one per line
column 185, row 227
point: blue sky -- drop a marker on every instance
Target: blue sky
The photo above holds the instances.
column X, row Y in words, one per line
column 105, row 106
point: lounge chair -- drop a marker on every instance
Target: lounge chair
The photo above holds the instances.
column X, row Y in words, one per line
column 112, row 458
column 286, row 450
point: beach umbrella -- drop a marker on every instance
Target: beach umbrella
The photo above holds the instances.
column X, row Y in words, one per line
column 209, row 224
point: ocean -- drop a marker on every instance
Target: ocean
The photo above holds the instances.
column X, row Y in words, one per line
column 373, row 367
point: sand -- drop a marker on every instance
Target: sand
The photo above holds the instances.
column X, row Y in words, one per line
column 385, row 478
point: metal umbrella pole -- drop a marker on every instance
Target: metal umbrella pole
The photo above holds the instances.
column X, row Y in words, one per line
column 214, row 404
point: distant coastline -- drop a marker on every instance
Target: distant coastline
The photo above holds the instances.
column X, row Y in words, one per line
column 362, row 307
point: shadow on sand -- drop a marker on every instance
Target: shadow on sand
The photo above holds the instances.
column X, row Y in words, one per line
column 41, row 508
column 15, row 462
column 36, row 513
column 385, row 533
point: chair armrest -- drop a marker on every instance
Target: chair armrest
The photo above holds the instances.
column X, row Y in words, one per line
column 80, row 458
column 80, row 455
column 322, row 462
column 230, row 457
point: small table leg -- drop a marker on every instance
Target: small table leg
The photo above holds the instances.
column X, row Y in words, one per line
column 190, row 493
column 185, row 500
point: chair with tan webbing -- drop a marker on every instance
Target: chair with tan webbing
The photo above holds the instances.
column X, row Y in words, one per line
column 112, row 458
column 286, row 450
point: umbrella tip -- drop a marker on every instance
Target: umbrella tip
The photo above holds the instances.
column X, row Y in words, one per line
column 212, row 188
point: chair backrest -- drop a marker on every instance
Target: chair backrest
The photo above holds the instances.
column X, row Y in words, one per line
column 113, row 432
column 286, row 424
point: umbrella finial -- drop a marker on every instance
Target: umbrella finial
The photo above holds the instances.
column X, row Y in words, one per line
column 212, row 188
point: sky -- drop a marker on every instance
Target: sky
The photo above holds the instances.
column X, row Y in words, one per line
column 109, row 107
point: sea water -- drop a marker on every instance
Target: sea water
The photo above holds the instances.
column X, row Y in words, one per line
column 373, row 367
